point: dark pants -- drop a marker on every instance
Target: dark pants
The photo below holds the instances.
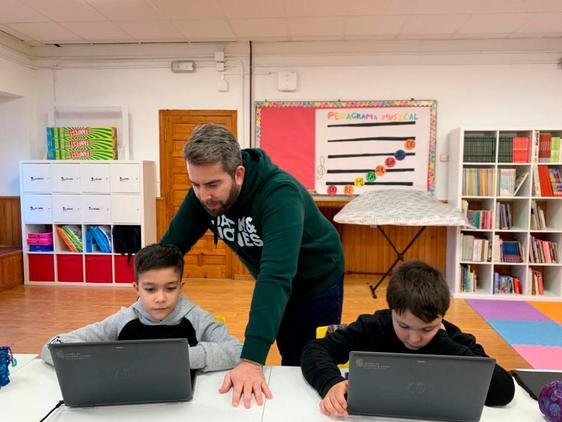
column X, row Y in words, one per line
column 300, row 320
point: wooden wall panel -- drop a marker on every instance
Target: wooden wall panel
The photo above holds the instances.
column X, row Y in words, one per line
column 11, row 269
column 10, row 221
column 161, row 223
column 365, row 249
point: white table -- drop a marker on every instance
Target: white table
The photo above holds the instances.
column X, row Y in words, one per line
column 294, row 400
column 22, row 360
column 398, row 207
column 34, row 390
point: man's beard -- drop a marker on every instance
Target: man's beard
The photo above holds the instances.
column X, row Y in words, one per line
column 225, row 205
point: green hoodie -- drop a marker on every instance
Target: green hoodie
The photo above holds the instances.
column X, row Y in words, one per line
column 277, row 231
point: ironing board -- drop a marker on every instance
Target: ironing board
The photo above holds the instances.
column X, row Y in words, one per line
column 398, row 207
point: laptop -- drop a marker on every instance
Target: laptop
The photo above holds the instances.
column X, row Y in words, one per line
column 413, row 386
column 123, row 372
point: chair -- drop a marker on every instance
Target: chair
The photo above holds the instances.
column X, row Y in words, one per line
column 325, row 329
column 220, row 318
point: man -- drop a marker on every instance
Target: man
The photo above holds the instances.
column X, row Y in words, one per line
column 272, row 223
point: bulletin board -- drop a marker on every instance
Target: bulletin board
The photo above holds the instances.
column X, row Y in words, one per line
column 349, row 147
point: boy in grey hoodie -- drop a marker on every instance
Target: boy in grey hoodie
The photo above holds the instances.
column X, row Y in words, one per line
column 162, row 311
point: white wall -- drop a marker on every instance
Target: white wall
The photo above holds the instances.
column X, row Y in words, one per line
column 492, row 96
column 144, row 92
column 17, row 121
column 513, row 94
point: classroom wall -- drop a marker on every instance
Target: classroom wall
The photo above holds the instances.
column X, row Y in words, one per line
column 482, row 91
column 17, row 121
column 144, row 91
column 495, row 96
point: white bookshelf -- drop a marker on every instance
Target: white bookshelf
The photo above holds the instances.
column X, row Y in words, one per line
column 81, row 194
column 520, row 209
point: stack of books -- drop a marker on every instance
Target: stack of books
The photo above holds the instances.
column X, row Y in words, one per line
column 475, row 249
column 478, row 181
column 82, row 143
column 549, row 181
column 509, row 251
column 513, row 148
column 548, row 148
column 543, row 251
column 469, row 279
column 480, row 219
column 479, row 148
column 507, row 284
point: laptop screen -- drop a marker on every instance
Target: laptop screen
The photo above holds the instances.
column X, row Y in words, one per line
column 402, row 385
column 123, row 372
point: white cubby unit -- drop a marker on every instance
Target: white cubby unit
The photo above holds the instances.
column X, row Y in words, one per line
column 507, row 181
column 85, row 201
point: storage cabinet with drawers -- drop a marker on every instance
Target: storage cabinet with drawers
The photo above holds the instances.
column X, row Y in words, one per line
column 76, row 196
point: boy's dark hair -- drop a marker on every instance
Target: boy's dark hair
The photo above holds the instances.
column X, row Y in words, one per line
column 157, row 256
column 420, row 289
column 211, row 143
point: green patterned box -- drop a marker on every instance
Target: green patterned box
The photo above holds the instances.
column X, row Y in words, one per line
column 101, row 132
column 82, row 155
column 81, row 138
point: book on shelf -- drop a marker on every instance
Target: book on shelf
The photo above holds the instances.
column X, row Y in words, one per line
column 555, row 156
column 536, row 181
column 469, row 279
column 519, row 180
column 544, row 181
column 545, row 143
column 506, row 182
column 503, row 216
column 521, row 147
column 555, row 180
column 538, row 221
column 511, row 251
column 536, row 283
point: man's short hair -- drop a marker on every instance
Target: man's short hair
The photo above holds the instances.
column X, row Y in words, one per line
column 419, row 288
column 158, row 256
column 212, row 143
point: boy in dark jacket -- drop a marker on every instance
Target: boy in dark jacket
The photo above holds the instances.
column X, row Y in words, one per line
column 418, row 298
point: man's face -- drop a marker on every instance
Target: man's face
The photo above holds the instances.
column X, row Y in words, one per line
column 214, row 187
column 159, row 291
column 412, row 331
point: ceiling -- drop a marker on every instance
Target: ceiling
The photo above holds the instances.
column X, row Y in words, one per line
column 47, row 22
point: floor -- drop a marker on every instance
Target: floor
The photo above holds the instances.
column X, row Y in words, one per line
column 31, row 314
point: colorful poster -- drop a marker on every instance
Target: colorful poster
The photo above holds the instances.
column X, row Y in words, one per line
column 320, row 142
column 371, row 148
